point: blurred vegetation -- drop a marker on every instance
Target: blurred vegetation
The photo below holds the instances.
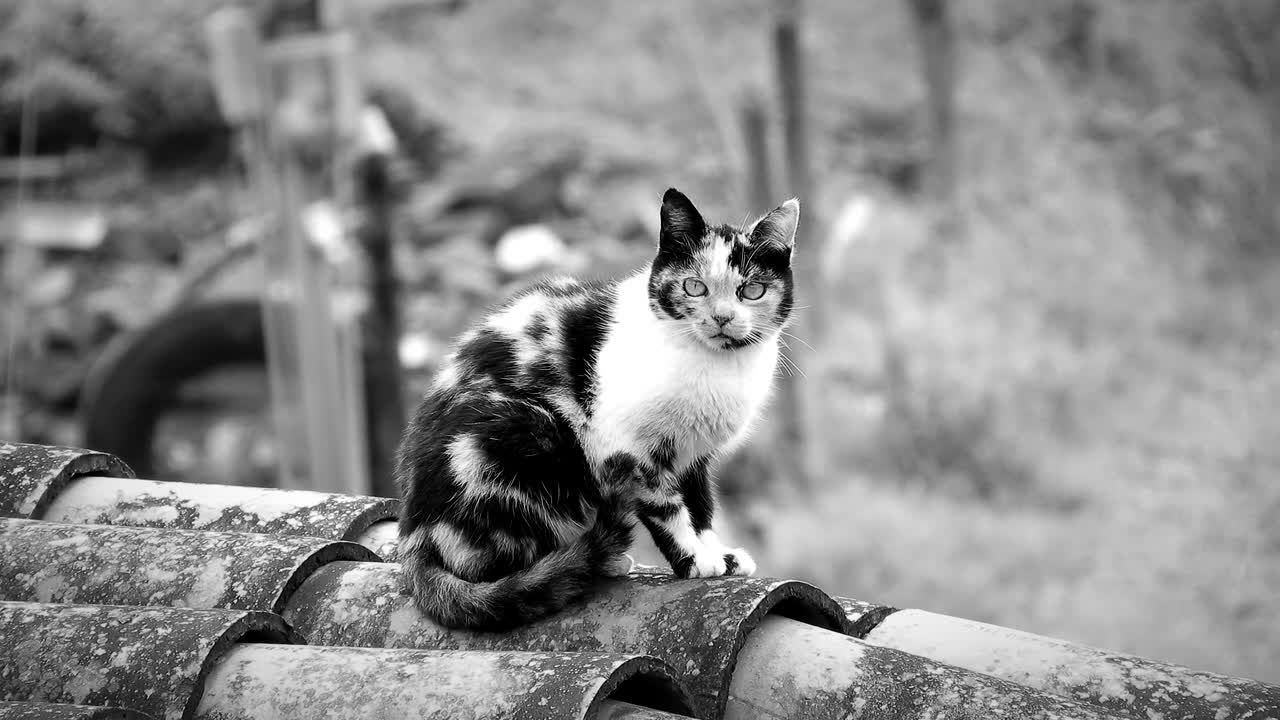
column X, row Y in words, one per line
column 130, row 72
column 1060, row 417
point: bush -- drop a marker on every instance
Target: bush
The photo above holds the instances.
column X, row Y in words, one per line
column 128, row 71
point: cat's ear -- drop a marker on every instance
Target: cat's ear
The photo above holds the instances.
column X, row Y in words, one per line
column 778, row 227
column 682, row 224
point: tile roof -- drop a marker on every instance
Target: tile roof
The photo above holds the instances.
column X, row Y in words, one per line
column 191, row 601
column 56, row 711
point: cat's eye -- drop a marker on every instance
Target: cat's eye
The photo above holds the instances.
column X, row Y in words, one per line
column 695, row 287
column 751, row 291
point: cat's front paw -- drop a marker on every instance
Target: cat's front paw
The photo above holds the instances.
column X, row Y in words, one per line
column 704, row 563
column 738, row 562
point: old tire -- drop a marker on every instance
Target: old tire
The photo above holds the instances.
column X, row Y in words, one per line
column 136, row 379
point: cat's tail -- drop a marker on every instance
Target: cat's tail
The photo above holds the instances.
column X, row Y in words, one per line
column 543, row 588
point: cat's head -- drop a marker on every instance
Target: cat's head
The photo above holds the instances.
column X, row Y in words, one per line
column 730, row 287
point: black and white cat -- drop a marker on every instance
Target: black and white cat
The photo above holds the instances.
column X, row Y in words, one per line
column 574, row 409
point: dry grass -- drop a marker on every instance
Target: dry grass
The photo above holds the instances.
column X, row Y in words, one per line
column 1077, row 439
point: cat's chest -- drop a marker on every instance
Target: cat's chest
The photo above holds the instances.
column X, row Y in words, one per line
column 697, row 400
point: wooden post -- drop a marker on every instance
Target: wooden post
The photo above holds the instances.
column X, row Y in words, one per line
column 794, row 448
column 938, row 58
column 296, row 102
column 237, row 69
column 22, row 261
column 384, row 385
column 759, row 185
column 313, row 119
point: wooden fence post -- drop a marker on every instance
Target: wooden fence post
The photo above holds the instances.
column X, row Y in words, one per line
column 796, row 447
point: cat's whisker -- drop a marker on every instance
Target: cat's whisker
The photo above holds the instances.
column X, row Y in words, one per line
column 794, row 367
column 797, row 339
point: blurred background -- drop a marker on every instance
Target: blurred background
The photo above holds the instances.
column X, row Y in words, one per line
column 1035, row 370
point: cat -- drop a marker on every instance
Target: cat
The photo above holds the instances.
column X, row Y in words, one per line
column 575, row 409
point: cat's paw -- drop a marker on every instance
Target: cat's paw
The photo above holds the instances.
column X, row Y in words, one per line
column 619, row 566
column 738, row 562
column 705, row 562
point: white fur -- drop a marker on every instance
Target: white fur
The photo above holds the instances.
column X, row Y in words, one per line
column 718, row 258
column 447, row 377
column 459, row 555
column 746, row 565
column 513, row 321
column 656, row 381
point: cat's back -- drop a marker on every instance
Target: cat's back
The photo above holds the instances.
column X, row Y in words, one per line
column 540, row 344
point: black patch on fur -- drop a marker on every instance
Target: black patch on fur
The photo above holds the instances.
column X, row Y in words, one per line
column 657, row 510
column 783, row 310
column 682, row 566
column 695, row 490
column 542, row 377
column 619, row 470
column 664, row 454
column 682, row 228
column 585, row 327
column 539, row 456
column 665, row 294
column 538, row 328
column 680, row 562
column 769, row 259
column 489, row 353
column 730, row 564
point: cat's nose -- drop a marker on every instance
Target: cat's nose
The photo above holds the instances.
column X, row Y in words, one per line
column 721, row 320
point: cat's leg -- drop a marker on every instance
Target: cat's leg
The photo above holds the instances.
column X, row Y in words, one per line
column 699, row 497
column 669, row 523
column 677, row 510
column 624, row 474
column 621, row 476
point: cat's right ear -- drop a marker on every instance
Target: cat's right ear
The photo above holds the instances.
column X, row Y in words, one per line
column 778, row 227
column 682, row 224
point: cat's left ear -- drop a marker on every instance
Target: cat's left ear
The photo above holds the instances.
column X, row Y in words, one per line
column 682, row 224
column 778, row 227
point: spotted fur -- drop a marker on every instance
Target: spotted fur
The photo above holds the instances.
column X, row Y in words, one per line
column 574, row 410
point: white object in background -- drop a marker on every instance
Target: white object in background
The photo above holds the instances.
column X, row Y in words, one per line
column 849, row 225
column 56, row 226
column 375, row 136
column 416, row 350
column 528, row 247
column 324, row 226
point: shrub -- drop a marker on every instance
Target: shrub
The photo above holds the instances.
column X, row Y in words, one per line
column 128, row 71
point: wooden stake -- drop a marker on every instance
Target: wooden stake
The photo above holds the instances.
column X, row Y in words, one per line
column 295, row 102
column 794, row 446
column 384, row 384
